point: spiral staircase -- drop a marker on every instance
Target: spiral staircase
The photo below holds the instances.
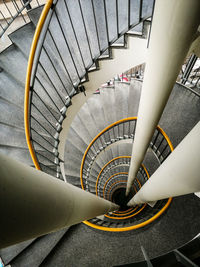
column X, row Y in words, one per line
column 75, row 37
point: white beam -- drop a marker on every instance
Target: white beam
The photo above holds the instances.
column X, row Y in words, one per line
column 178, row 175
column 33, row 203
column 174, row 25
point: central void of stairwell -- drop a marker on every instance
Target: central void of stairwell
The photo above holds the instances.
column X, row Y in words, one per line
column 97, row 155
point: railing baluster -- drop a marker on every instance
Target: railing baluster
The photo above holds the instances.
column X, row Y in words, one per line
column 42, row 137
column 64, row 36
column 61, row 58
column 7, row 8
column 42, row 126
column 95, row 23
column 47, row 93
column 43, row 147
column 45, row 105
column 117, row 18
column 106, row 21
column 85, row 29
column 43, row 116
column 4, row 17
column 54, row 87
column 74, row 33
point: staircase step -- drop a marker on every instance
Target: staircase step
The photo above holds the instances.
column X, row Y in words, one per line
column 12, row 136
column 119, row 43
column 76, row 140
column 10, row 89
column 121, row 100
column 74, row 180
column 70, row 149
column 11, row 113
column 147, row 8
column 9, row 253
column 134, row 12
column 24, row 44
column 137, row 30
column 20, row 154
column 38, row 250
column 122, row 15
column 10, row 60
column 80, row 126
column 111, row 19
column 107, row 97
column 69, row 31
column 134, row 97
column 34, row 14
column 96, row 111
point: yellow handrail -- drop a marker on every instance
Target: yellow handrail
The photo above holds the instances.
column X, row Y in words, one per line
column 28, row 79
column 158, row 214
column 105, row 167
column 119, row 173
column 107, row 128
column 115, row 173
column 96, row 137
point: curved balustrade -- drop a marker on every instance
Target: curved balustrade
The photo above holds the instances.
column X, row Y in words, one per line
column 121, row 130
column 11, row 10
column 63, row 51
column 112, row 178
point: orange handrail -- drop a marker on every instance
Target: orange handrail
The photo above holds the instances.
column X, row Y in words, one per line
column 96, row 137
column 28, row 80
column 158, row 214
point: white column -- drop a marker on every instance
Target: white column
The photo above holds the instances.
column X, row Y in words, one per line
column 178, row 175
column 33, row 203
column 174, row 25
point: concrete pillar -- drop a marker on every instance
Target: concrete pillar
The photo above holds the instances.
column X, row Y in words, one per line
column 174, row 25
column 33, row 203
column 178, row 175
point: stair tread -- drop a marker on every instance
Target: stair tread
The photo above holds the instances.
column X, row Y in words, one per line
column 38, row 250
column 134, row 97
column 34, row 14
column 10, row 60
column 121, row 100
column 10, row 89
column 24, row 44
column 9, row 253
column 16, row 153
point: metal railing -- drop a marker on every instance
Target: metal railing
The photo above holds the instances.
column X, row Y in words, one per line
column 49, row 85
column 13, row 9
column 190, row 73
column 113, row 167
column 120, row 130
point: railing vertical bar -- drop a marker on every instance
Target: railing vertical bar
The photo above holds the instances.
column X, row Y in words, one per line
column 44, row 116
column 95, row 22
column 18, row 10
column 140, row 13
column 42, row 137
column 117, row 18
column 106, row 21
column 73, row 29
column 43, row 147
column 47, row 75
column 1, row 27
column 42, row 126
column 4, row 17
column 129, row 13
column 47, row 92
column 63, row 34
column 45, row 105
column 65, row 67
column 55, row 69
column 7, row 8
column 85, row 29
